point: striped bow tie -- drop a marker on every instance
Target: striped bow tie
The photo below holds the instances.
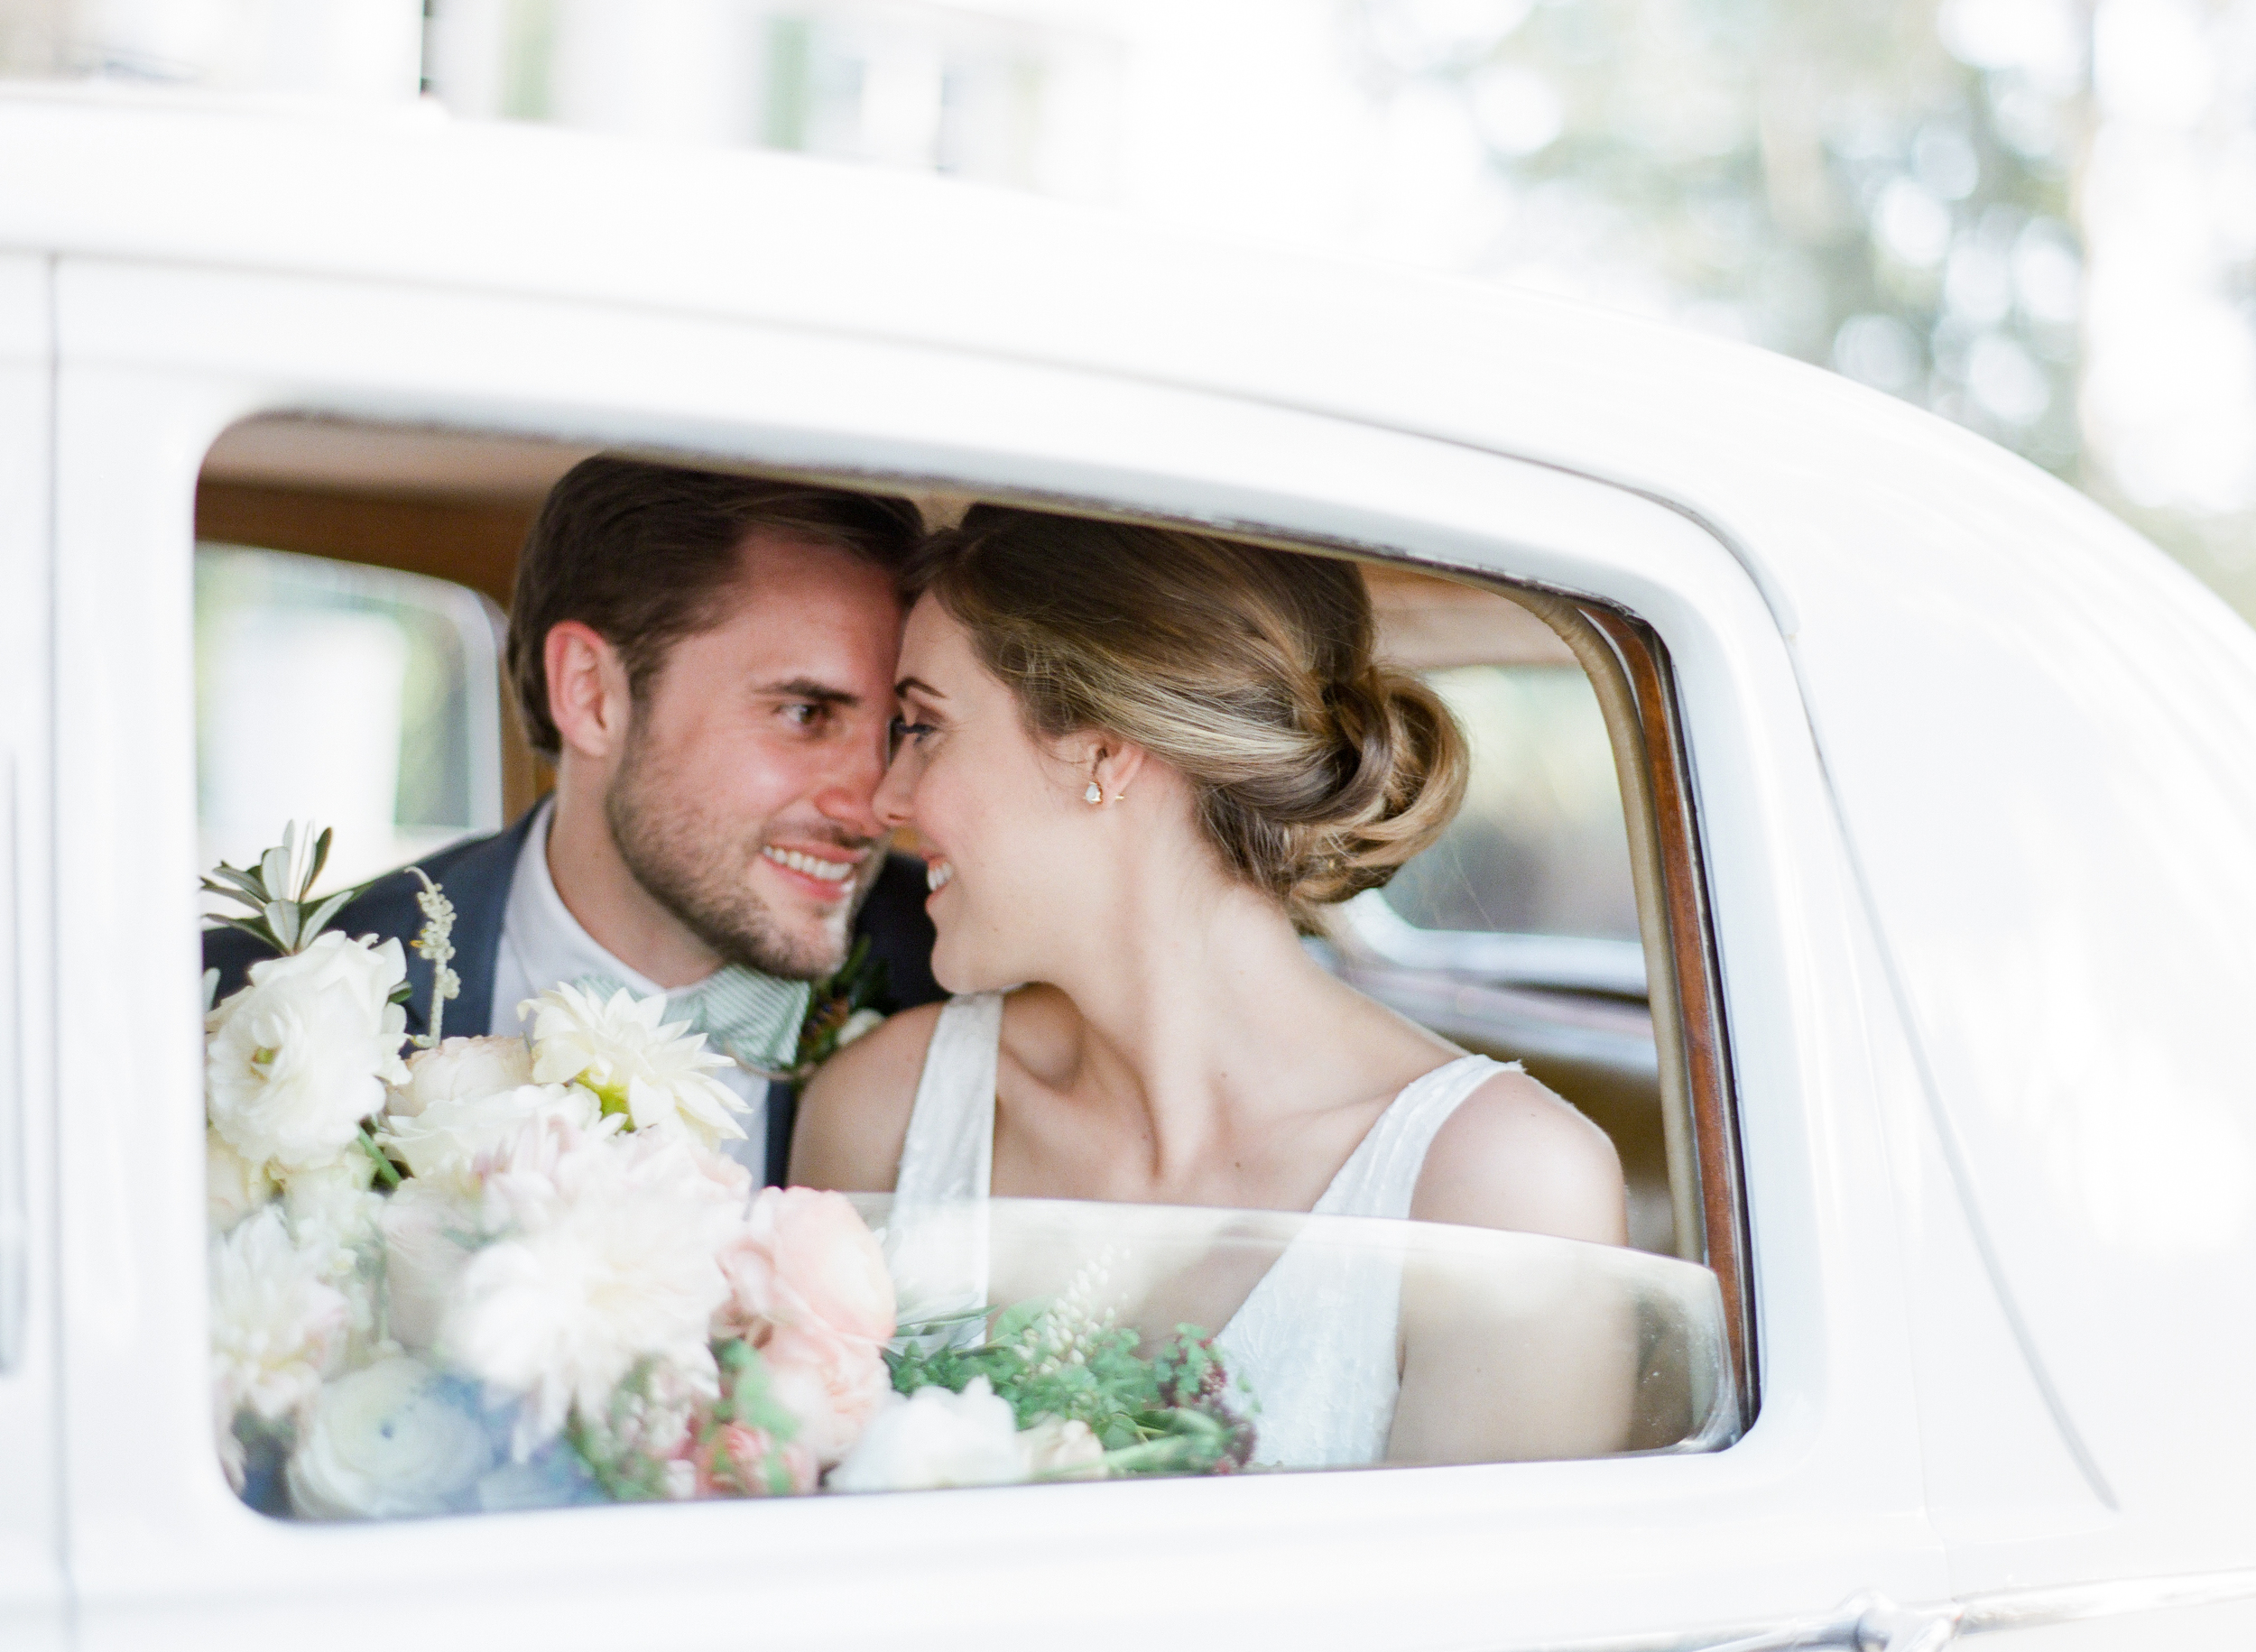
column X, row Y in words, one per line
column 753, row 1019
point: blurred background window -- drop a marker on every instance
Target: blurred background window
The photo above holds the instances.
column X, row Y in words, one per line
column 363, row 698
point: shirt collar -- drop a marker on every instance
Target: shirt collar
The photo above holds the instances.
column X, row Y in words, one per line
column 551, row 944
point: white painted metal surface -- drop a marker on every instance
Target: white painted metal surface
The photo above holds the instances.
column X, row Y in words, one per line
column 1976, row 768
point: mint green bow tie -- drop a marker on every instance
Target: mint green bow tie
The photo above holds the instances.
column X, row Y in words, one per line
column 755, row 1020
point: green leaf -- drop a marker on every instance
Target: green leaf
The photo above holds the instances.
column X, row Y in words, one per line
column 273, row 868
column 320, row 859
column 282, row 916
column 242, row 883
column 318, row 918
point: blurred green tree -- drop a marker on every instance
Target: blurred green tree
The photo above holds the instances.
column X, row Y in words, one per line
column 1883, row 187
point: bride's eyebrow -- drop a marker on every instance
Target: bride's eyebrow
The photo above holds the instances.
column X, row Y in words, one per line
column 917, row 685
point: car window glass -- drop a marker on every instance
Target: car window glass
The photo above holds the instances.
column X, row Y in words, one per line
column 360, row 696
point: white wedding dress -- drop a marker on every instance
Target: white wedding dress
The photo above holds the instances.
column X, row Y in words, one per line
column 1315, row 1341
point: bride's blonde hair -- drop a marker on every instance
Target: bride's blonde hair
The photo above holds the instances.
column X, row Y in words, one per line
column 1317, row 770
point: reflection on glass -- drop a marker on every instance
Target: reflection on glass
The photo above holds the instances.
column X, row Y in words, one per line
column 1032, row 1341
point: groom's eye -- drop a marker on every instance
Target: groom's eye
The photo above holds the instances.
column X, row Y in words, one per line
column 806, row 713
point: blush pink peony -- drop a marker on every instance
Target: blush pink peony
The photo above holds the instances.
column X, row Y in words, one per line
column 806, row 1261
column 832, row 1384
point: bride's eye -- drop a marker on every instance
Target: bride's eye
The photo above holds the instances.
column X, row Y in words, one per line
column 904, row 730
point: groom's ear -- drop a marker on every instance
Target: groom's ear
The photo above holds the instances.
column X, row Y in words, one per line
column 589, row 698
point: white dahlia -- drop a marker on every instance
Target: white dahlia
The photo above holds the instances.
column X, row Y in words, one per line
column 602, row 1255
column 652, row 1071
column 300, row 1056
column 277, row 1323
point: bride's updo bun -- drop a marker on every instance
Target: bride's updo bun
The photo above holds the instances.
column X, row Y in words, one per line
column 1318, row 771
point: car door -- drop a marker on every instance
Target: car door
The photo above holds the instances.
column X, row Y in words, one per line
column 1820, row 1499
column 32, row 1604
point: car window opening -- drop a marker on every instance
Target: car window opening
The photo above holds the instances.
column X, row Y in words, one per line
column 352, row 583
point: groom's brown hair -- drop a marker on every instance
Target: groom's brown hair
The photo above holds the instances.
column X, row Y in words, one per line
column 646, row 554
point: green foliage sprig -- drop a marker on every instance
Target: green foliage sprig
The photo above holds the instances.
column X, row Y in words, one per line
column 1175, row 1413
column 276, row 890
column 856, row 985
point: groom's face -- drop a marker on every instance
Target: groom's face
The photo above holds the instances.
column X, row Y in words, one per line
column 742, row 802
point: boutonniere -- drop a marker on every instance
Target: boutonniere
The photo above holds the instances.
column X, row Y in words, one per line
column 842, row 1009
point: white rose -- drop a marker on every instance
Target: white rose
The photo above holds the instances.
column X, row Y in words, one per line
column 447, row 1140
column 300, row 1056
column 385, row 1443
column 461, row 1069
column 233, row 1185
column 1058, row 1448
column 936, row 1438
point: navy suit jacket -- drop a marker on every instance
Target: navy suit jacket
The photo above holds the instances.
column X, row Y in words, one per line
column 477, row 875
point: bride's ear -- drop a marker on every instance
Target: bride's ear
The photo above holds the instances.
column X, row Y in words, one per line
column 1110, row 766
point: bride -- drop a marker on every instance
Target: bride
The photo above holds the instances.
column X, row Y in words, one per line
column 1139, row 763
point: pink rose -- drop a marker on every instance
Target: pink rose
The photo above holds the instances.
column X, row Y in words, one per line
column 832, row 1384
column 806, row 1261
column 742, row 1459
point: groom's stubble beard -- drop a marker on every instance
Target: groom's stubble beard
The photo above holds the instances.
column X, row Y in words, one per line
column 701, row 870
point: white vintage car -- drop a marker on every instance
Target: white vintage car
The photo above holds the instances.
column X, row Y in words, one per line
column 1928, row 1052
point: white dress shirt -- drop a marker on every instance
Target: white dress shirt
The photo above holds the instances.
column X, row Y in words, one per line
column 542, row 945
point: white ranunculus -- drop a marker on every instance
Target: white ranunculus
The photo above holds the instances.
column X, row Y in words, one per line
column 299, row 1056
column 233, row 1185
column 622, row 1049
column 461, row 1070
column 429, row 1229
column 445, row 1140
column 602, row 1252
column 385, row 1443
column 935, row 1438
column 277, row 1323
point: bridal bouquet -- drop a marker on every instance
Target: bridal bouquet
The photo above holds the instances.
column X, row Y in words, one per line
column 502, row 1272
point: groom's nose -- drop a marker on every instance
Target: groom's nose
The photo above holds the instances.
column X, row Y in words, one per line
column 846, row 794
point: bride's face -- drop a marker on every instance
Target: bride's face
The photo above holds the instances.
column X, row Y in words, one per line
column 1007, row 835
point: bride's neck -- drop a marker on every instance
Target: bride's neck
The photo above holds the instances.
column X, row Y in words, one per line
column 1195, row 1006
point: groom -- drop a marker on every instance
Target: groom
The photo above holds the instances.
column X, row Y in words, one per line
column 708, row 660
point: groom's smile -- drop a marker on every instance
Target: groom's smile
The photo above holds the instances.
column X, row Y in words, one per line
column 736, row 774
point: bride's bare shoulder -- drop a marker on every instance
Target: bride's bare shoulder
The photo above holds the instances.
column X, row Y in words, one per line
column 1515, row 1156
column 854, row 1113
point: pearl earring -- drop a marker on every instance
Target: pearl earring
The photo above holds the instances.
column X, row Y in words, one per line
column 1095, row 794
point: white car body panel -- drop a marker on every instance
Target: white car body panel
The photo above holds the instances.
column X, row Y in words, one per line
column 1976, row 770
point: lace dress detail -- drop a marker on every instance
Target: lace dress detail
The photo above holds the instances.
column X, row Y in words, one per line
column 1314, row 1340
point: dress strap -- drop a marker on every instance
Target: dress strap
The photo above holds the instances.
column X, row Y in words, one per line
column 1381, row 1176
column 948, row 1153
column 936, row 1240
